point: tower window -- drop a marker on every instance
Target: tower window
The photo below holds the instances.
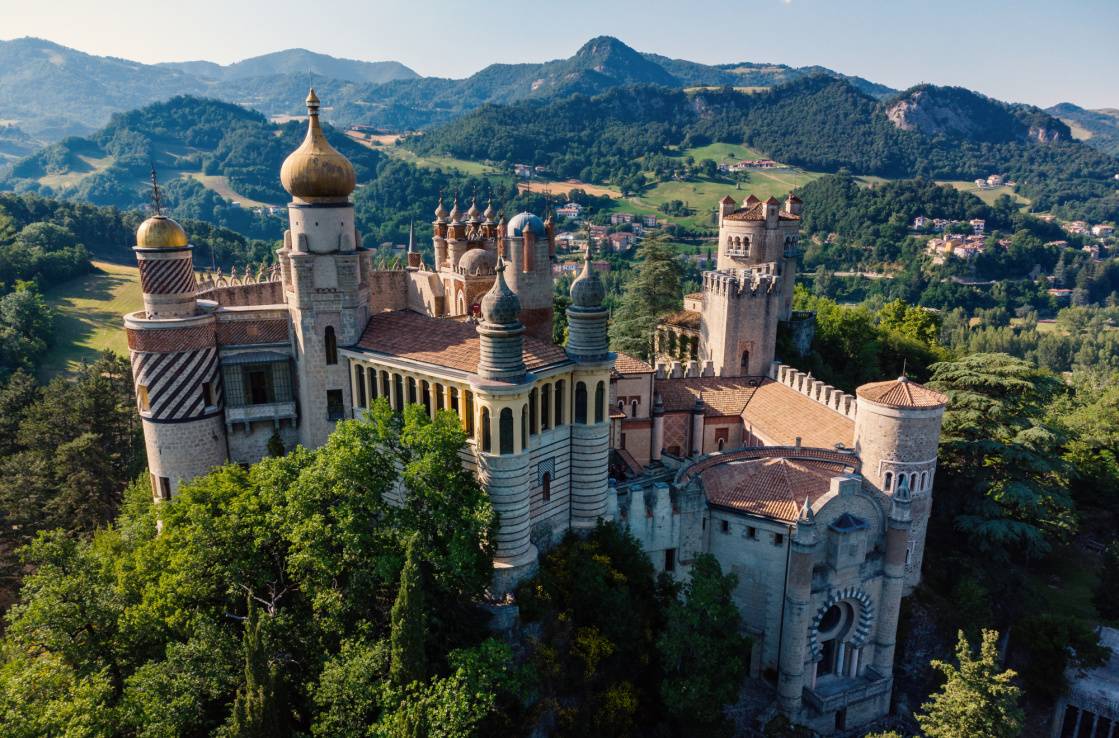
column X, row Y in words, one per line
column 161, row 486
column 524, row 427
column 559, row 402
column 670, row 559
column 545, row 406
column 745, row 360
column 208, row 394
column 888, row 481
column 600, row 402
column 486, row 444
column 331, row 344
column 778, row 539
column 546, row 486
column 335, row 407
column 633, row 409
column 724, row 526
column 924, row 481
column 533, row 398
column 142, row 398
column 359, row 383
column 505, row 431
column 580, row 403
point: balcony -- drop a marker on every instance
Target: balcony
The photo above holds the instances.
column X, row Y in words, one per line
column 835, row 693
column 273, row 411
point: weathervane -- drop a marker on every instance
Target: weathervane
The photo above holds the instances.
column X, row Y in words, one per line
column 157, row 200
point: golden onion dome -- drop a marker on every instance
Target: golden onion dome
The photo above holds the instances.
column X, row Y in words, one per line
column 316, row 171
column 160, row 232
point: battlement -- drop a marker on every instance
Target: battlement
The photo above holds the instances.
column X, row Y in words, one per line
column 244, row 288
column 814, row 389
column 760, row 281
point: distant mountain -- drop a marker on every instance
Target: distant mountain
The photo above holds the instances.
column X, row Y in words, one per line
column 752, row 74
column 298, row 62
column 961, row 113
column 16, row 143
column 1097, row 128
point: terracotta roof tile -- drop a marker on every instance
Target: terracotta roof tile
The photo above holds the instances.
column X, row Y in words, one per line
column 444, row 342
column 721, row 396
column 626, row 364
column 756, row 211
column 901, row 393
column 780, row 414
column 770, row 487
column 683, row 319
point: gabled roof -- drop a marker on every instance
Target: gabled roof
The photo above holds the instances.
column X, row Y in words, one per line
column 769, row 487
column 902, row 393
column 779, row 414
column 721, row 396
column 443, row 342
column 626, row 364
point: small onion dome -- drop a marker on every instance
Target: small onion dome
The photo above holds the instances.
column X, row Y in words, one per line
column 489, row 212
column 478, row 261
column 455, row 212
column 902, row 393
column 473, row 213
column 160, row 232
column 587, row 290
column 500, row 306
column 316, row 171
column 440, row 212
column 521, row 221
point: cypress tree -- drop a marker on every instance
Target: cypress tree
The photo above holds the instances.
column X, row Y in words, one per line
column 255, row 712
column 408, row 662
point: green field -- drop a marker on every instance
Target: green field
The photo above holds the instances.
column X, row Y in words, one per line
column 472, row 168
column 989, row 195
column 720, row 152
column 90, row 309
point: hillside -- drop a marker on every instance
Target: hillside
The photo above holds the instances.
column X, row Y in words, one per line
column 1097, row 128
column 817, row 123
column 206, row 153
column 51, row 91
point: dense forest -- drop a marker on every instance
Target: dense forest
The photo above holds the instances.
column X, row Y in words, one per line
column 818, row 123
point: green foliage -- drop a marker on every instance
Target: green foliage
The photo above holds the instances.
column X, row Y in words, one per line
column 1106, row 596
column 1049, row 644
column 256, row 713
column 1002, row 481
column 705, row 657
column 25, row 327
column 977, row 699
column 407, row 659
column 651, row 292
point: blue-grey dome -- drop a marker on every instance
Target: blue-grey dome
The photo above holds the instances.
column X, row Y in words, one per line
column 520, row 221
column 500, row 306
column 587, row 290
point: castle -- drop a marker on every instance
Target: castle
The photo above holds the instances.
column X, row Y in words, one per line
column 817, row 500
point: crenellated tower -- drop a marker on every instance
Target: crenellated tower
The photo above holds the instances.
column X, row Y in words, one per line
column 324, row 283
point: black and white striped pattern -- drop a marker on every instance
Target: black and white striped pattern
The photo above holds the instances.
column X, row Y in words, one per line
column 167, row 276
column 174, row 382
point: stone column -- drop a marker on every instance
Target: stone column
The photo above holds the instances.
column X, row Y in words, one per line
column 657, row 440
column 893, row 580
column 798, row 614
column 697, row 428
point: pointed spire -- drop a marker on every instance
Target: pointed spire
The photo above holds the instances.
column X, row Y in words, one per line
column 807, row 517
column 440, row 210
column 411, row 237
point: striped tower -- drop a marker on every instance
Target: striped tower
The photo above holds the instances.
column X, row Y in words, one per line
column 503, row 464
column 587, row 345
column 173, row 348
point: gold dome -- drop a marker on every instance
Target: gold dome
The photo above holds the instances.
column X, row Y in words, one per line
column 316, row 171
column 160, row 232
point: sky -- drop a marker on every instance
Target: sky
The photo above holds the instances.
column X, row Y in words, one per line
column 1034, row 51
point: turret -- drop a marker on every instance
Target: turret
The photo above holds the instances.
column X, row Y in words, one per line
column 527, row 254
column 501, row 333
column 587, row 319
column 796, row 612
column 898, row 531
column 897, row 433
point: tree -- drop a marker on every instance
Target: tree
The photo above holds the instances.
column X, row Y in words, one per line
column 977, row 699
column 652, row 292
column 26, row 322
column 255, row 711
column 704, row 656
column 1106, row 595
column 408, row 661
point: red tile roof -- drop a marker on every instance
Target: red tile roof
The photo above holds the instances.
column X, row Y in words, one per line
column 770, row 487
column 780, row 414
column 626, row 364
column 901, row 393
column 721, row 396
column 444, row 342
column 756, row 211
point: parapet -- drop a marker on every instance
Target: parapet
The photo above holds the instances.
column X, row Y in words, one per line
column 815, row 389
column 757, row 282
column 676, row 369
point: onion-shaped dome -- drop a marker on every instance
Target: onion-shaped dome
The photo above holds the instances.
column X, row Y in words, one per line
column 587, row 290
column 160, row 232
column 500, row 306
column 316, row 171
column 489, row 212
column 440, row 212
column 521, row 221
column 473, row 214
column 478, row 261
column 456, row 214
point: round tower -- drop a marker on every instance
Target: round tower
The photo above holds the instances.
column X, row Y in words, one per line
column 797, row 613
column 897, row 431
column 172, row 345
column 439, row 235
column 588, row 347
column 327, row 299
column 502, row 397
column 528, row 249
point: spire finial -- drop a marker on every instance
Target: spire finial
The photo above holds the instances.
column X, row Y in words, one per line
column 411, row 236
column 312, row 102
column 157, row 199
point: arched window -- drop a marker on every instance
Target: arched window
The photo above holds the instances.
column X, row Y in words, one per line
column 721, row 443
column 913, row 481
column 386, row 386
column 398, row 385
column 533, row 399
column 439, row 397
column 888, row 481
column 633, row 409
column 924, row 481
column 331, row 346
column 372, row 373
column 524, row 427
column 411, row 390
column 745, row 365
column 746, row 246
column 546, row 486
column 359, row 384
column 600, row 402
column 580, row 403
column 559, row 402
column 468, row 411
column 486, row 445
column 505, row 431
column 426, row 394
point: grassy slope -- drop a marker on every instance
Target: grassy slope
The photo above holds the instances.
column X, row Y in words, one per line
column 90, row 309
